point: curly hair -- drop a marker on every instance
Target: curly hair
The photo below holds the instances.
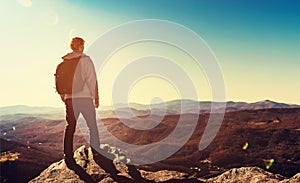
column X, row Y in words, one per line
column 76, row 42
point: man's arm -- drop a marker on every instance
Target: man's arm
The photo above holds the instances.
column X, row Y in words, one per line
column 91, row 79
column 96, row 97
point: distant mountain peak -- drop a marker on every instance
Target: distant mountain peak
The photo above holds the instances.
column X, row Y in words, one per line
column 266, row 101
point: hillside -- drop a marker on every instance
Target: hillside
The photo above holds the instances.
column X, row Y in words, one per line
column 27, row 162
column 265, row 138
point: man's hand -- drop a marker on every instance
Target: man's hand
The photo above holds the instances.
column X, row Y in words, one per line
column 96, row 102
column 63, row 98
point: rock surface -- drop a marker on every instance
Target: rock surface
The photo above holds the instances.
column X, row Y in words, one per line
column 251, row 175
column 247, row 174
column 59, row 173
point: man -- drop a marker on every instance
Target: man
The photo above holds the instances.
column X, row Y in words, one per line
column 84, row 101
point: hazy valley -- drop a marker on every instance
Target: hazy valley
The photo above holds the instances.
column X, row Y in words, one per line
column 265, row 134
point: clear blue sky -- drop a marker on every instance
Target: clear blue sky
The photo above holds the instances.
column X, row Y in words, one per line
column 256, row 42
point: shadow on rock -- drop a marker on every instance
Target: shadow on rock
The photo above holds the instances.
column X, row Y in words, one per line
column 72, row 165
column 109, row 167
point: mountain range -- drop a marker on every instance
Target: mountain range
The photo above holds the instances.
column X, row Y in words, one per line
column 9, row 113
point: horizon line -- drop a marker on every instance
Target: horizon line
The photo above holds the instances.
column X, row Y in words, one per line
column 249, row 102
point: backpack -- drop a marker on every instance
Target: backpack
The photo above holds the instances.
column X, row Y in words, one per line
column 68, row 77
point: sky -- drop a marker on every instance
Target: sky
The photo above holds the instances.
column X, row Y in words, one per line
column 257, row 45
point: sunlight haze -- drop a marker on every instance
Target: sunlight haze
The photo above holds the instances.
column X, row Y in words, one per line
column 256, row 43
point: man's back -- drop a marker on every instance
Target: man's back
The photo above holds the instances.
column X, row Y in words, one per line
column 87, row 73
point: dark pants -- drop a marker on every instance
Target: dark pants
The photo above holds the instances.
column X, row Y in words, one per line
column 74, row 107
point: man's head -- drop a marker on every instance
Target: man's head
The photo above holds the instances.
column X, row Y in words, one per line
column 77, row 44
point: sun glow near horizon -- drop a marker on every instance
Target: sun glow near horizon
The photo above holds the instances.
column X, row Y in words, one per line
column 145, row 88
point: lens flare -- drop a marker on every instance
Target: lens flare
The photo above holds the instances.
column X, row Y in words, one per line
column 269, row 163
column 245, row 146
column 161, row 66
column 25, row 3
